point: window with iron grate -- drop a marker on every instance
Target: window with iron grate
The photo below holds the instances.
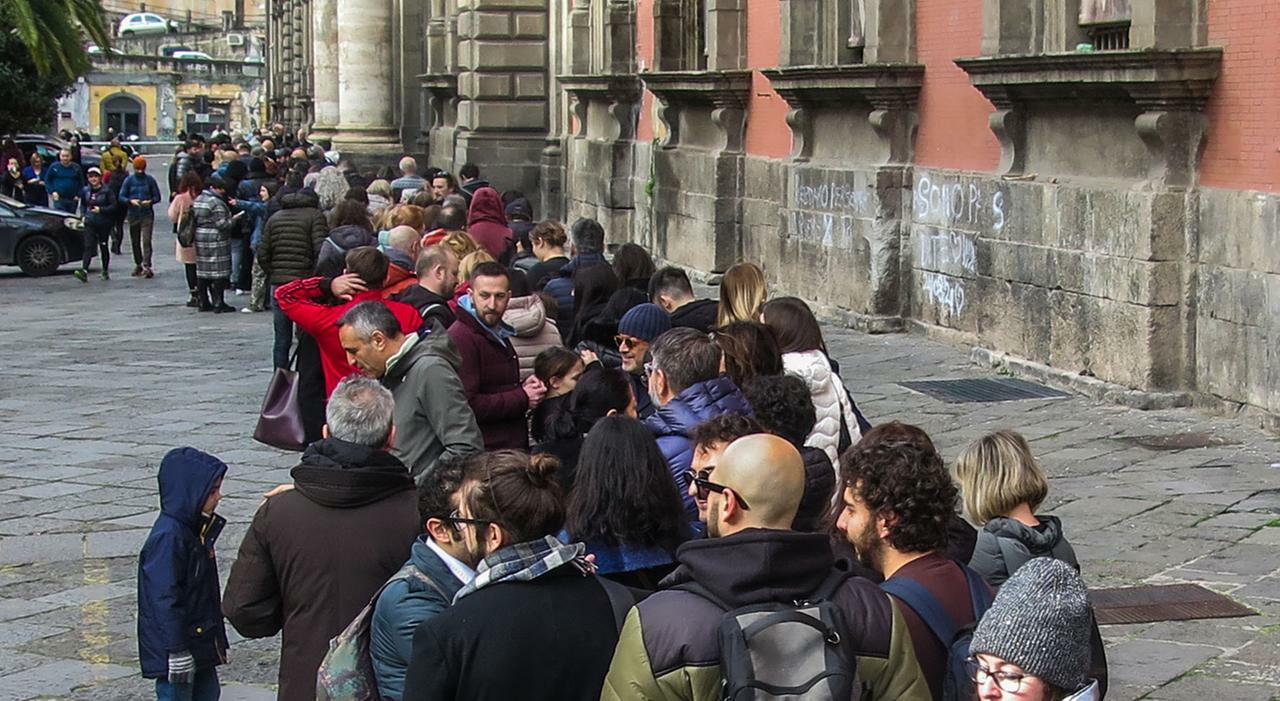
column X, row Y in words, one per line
column 1106, row 23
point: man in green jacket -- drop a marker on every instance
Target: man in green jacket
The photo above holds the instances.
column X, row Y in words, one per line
column 432, row 417
column 669, row 648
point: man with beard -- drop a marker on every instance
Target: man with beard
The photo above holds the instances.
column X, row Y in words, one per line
column 534, row 624
column 669, row 648
column 490, row 369
column 637, row 329
column 898, row 500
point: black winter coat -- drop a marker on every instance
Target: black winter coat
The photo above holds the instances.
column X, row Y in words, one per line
column 292, row 238
column 819, row 486
column 549, row 639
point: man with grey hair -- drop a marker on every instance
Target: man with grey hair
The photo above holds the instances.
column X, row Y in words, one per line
column 315, row 554
column 409, row 182
column 433, row 420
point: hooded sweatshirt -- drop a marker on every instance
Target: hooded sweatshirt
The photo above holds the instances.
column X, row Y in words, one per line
column 534, row 331
column 1005, row 544
column 178, row 593
column 314, row 556
column 487, row 224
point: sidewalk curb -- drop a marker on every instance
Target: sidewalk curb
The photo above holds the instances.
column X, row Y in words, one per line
column 1088, row 386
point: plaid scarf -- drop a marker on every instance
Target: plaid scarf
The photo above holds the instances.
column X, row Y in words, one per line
column 523, row 562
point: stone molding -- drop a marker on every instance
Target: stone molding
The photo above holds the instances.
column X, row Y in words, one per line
column 891, row 90
column 441, row 90
column 1171, row 88
column 619, row 92
column 725, row 92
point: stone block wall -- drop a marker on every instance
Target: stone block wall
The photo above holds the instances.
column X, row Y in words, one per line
column 1237, row 304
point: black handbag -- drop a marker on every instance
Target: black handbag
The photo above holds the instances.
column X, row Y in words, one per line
column 280, row 421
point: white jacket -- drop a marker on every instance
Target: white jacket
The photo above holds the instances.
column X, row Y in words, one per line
column 830, row 401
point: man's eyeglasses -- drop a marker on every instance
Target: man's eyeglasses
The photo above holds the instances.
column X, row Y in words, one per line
column 706, row 486
column 1007, row 681
column 628, row 341
column 457, row 519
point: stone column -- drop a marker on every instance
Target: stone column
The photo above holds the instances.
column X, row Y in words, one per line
column 324, row 63
column 366, row 97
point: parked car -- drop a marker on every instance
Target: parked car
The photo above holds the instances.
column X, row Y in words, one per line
column 38, row 239
column 48, row 147
column 145, row 23
column 192, row 56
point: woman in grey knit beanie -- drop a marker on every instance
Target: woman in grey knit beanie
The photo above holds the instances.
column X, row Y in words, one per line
column 1033, row 643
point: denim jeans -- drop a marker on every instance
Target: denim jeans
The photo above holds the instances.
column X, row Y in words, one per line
column 237, row 257
column 205, row 688
column 284, row 333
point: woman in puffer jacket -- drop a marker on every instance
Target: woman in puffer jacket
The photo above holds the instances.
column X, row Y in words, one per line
column 804, row 354
column 535, row 332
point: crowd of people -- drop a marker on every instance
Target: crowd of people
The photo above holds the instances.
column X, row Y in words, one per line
column 540, row 469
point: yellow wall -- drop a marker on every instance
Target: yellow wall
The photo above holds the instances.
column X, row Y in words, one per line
column 145, row 93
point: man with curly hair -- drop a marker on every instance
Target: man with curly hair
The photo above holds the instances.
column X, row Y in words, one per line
column 898, row 500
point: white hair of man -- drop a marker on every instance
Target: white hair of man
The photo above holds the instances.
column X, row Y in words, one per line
column 409, row 165
column 360, row 411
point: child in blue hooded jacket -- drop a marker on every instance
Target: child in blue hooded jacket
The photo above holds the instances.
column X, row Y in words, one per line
column 181, row 636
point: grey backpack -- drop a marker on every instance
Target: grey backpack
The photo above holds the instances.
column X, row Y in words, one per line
column 785, row 650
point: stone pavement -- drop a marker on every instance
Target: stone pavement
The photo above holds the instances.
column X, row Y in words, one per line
column 102, row 378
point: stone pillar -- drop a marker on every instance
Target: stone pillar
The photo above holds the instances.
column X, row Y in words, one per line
column 324, row 62
column 366, row 90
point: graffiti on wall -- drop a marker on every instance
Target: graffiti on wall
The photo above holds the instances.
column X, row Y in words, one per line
column 824, row 213
column 950, row 213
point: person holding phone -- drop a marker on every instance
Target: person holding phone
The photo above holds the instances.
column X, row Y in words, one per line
column 141, row 192
column 99, row 204
column 213, row 223
column 33, row 175
column 11, row 182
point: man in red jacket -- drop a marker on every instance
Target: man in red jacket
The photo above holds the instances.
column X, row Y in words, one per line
column 490, row 371
column 303, row 301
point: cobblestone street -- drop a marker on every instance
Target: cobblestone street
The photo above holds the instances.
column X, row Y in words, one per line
column 103, row 378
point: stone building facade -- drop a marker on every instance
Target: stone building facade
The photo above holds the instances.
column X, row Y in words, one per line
column 1086, row 189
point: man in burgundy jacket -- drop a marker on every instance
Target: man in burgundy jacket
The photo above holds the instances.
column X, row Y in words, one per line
column 490, row 371
column 303, row 301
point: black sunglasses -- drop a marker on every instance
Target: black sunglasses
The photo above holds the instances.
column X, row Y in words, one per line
column 457, row 519
column 706, row 486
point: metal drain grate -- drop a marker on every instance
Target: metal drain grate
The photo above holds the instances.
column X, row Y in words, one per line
column 1151, row 603
column 1001, row 389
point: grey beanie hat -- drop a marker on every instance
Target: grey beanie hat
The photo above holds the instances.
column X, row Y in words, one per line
column 1040, row 622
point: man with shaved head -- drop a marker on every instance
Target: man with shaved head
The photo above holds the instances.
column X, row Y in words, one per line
column 437, row 275
column 670, row 645
column 403, row 245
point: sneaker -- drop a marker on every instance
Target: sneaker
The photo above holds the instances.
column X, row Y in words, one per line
column 81, row 274
column 247, row 310
column 106, row 275
column 240, row 293
column 194, row 301
column 147, row 273
column 137, row 271
column 223, row 309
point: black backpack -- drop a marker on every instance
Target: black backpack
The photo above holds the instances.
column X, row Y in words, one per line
column 790, row 650
column 956, row 685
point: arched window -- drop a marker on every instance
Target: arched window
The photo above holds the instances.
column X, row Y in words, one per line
column 123, row 112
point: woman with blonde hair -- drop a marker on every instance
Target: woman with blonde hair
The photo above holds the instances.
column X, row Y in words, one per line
column 461, row 244
column 1002, row 486
column 742, row 292
column 471, row 261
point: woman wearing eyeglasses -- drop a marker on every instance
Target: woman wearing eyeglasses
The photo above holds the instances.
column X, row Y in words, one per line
column 1033, row 643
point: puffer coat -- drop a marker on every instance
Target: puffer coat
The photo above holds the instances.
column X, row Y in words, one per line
column 830, row 400
column 673, row 423
column 292, row 238
column 534, row 331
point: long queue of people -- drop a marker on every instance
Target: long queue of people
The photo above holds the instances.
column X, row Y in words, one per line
column 539, row 471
